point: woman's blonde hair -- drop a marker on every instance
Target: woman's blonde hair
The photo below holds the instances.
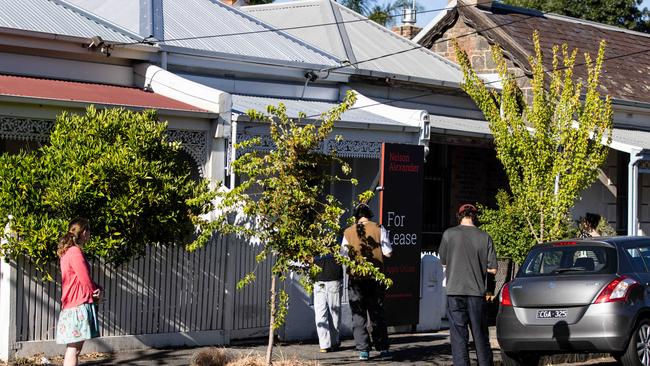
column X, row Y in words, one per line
column 76, row 227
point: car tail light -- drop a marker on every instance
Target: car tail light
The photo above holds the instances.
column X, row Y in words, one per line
column 564, row 243
column 504, row 298
column 617, row 290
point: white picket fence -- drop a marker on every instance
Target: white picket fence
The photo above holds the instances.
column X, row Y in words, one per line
column 166, row 298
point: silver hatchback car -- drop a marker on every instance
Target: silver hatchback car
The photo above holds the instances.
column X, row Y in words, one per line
column 577, row 296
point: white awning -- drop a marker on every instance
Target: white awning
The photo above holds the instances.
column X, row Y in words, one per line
column 459, row 126
column 360, row 116
column 629, row 140
column 625, row 140
column 364, row 127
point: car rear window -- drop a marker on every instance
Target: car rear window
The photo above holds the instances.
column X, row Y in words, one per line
column 569, row 260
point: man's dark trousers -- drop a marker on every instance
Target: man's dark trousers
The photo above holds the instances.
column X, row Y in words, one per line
column 366, row 296
column 461, row 311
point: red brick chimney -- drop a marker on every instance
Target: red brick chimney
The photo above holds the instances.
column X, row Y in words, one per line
column 408, row 28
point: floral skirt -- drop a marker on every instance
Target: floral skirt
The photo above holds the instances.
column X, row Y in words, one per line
column 77, row 324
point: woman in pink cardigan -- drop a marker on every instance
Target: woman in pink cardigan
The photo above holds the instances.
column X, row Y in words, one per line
column 79, row 294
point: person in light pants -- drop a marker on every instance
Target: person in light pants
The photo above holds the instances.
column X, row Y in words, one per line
column 327, row 302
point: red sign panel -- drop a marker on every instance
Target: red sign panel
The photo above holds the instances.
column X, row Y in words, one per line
column 400, row 209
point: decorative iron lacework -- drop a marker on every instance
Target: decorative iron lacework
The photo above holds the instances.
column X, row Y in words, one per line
column 26, row 129
column 355, row 149
column 266, row 143
column 195, row 143
column 344, row 148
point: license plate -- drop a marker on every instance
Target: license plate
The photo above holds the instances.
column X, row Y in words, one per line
column 551, row 314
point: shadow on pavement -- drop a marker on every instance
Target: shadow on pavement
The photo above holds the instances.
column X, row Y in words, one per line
column 407, row 339
column 146, row 357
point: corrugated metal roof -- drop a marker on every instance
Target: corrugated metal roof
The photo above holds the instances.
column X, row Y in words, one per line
column 356, row 39
column 70, row 91
column 200, row 18
column 209, row 25
column 313, row 109
column 58, row 17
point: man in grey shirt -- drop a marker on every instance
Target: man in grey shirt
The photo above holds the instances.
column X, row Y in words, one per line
column 468, row 255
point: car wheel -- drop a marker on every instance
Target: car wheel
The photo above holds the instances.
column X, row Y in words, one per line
column 519, row 359
column 638, row 350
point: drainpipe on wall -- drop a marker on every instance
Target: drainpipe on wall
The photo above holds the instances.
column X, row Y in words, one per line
column 220, row 133
column 233, row 152
column 633, row 192
column 163, row 60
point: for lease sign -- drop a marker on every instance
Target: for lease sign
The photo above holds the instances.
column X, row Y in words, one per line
column 401, row 214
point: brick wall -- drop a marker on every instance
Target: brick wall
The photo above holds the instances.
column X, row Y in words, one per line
column 478, row 50
column 476, row 176
column 407, row 31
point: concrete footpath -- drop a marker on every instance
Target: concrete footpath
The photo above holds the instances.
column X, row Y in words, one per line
column 407, row 349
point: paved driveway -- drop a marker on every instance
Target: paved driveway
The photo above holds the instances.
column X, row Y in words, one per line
column 408, row 349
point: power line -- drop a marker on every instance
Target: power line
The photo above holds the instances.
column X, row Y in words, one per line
column 439, row 92
column 392, row 101
column 401, row 51
column 368, row 20
column 442, row 40
column 273, row 30
column 348, row 64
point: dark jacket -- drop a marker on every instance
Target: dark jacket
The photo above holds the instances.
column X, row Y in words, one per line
column 332, row 271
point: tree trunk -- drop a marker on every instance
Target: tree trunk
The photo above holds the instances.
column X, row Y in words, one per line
column 541, row 226
column 269, row 349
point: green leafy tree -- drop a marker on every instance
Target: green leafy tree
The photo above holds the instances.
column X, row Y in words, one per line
column 381, row 14
column 360, row 6
column 282, row 202
column 550, row 148
column 621, row 13
column 115, row 167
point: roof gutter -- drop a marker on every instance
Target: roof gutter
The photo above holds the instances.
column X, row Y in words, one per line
column 75, row 39
column 399, row 77
column 643, row 106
